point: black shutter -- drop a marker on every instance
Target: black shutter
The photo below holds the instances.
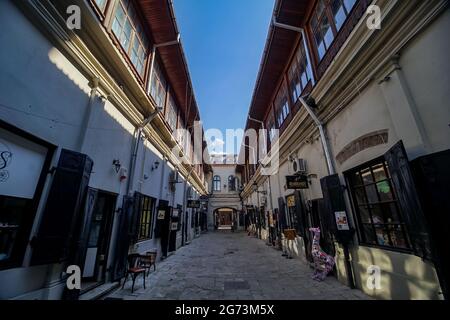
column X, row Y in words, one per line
column 85, row 227
column 123, row 238
column 60, row 217
column 334, row 201
column 136, row 218
column 432, row 176
column 408, row 200
column 301, row 216
column 282, row 210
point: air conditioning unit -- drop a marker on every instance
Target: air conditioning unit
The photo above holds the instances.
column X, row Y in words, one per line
column 173, row 177
column 298, row 166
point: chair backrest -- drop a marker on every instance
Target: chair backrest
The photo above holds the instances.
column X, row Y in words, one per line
column 152, row 255
column 133, row 260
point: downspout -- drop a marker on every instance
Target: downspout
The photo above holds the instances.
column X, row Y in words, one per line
column 331, row 171
column 183, row 233
column 323, row 138
column 135, row 148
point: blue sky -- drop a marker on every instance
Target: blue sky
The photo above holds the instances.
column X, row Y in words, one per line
column 223, row 41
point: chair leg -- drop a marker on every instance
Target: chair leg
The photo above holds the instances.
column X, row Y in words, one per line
column 134, row 279
column 124, row 281
column 144, row 278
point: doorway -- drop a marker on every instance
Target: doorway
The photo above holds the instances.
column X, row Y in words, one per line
column 224, row 219
column 98, row 240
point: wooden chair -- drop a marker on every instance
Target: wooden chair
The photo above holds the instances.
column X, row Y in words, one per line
column 148, row 260
column 134, row 268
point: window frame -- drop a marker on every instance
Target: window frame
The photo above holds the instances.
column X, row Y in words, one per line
column 232, row 183
column 134, row 35
column 282, row 110
column 147, row 213
column 295, row 75
column 162, row 85
column 328, row 14
column 217, row 183
column 370, row 205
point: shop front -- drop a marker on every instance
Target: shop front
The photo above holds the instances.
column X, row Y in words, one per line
column 24, row 163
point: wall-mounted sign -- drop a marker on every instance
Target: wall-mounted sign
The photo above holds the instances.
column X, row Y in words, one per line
column 174, row 226
column 195, row 204
column 161, row 214
column 342, row 221
column 297, row 182
column 290, row 201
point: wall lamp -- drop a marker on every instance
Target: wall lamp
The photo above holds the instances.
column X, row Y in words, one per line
column 117, row 165
column 155, row 165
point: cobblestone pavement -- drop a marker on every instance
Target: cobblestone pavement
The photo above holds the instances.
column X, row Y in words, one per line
column 233, row 266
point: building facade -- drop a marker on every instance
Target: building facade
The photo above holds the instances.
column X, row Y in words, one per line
column 94, row 164
column 363, row 139
column 224, row 202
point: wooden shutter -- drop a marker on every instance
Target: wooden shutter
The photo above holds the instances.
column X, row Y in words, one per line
column 408, row 200
column 136, row 218
column 301, row 216
column 56, row 231
column 123, row 238
column 282, row 210
column 334, row 201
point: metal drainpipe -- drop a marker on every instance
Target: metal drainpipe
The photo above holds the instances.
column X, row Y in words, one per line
column 184, row 206
column 331, row 171
column 323, row 138
column 135, row 148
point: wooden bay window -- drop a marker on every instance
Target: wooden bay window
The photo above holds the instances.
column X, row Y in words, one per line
column 128, row 29
column 328, row 18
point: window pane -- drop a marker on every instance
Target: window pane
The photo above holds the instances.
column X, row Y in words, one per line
column 349, row 4
column 101, row 4
column 382, row 235
column 377, row 214
column 397, row 236
column 384, row 190
column 390, row 213
column 368, row 234
column 366, row 176
column 339, row 18
column 327, row 32
column 379, row 172
column 371, row 192
column 12, row 213
column 360, row 196
column 364, row 214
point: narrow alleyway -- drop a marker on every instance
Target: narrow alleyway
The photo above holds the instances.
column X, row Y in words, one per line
column 230, row 266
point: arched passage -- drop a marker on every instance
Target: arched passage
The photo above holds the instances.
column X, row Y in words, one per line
column 225, row 218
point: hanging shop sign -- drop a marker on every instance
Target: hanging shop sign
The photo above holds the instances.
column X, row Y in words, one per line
column 194, row 204
column 297, row 182
column 342, row 221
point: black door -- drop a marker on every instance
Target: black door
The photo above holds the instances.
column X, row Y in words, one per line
column 162, row 229
column 432, row 175
column 99, row 237
column 318, row 219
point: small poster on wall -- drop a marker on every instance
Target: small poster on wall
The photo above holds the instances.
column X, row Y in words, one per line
column 174, row 226
column 342, row 221
column 161, row 214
